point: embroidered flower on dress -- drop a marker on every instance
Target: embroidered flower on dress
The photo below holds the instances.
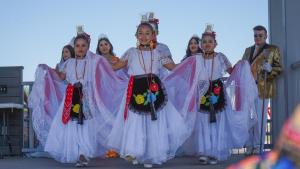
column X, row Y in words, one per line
column 139, row 99
column 154, row 87
column 217, row 90
column 76, row 108
column 213, row 99
column 203, row 100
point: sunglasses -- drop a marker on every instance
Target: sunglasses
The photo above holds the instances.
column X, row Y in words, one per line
column 77, row 46
column 258, row 35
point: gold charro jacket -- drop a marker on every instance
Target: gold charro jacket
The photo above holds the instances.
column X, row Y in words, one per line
column 268, row 53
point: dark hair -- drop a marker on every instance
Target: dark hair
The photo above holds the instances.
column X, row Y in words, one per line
column 111, row 50
column 144, row 24
column 260, row 28
column 211, row 34
column 154, row 26
column 84, row 37
column 188, row 52
column 71, row 50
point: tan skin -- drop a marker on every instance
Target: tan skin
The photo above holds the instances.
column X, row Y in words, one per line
column 193, row 46
column 81, row 48
column 104, row 47
column 208, row 44
column 144, row 36
column 66, row 54
column 260, row 37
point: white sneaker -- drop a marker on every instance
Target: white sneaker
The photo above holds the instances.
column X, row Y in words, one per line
column 82, row 162
column 256, row 151
column 85, row 163
column 249, row 151
column 131, row 159
column 148, row 165
column 79, row 164
column 135, row 162
column 203, row 160
column 212, row 161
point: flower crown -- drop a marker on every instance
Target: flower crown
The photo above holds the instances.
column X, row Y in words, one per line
column 209, row 31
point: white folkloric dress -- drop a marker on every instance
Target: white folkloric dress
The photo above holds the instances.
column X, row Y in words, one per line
column 156, row 141
column 232, row 123
column 66, row 142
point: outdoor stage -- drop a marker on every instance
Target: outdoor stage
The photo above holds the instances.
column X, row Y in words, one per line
column 46, row 163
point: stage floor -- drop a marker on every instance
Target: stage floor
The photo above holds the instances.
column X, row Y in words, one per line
column 98, row 163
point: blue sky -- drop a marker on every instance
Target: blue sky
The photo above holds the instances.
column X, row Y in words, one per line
column 34, row 31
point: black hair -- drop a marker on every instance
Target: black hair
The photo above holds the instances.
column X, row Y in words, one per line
column 71, row 50
column 260, row 28
column 211, row 34
column 84, row 37
column 144, row 24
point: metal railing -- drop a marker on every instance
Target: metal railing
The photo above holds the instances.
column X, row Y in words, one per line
column 29, row 140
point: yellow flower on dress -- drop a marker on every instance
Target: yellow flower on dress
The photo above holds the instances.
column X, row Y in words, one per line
column 139, row 99
column 76, row 108
column 203, row 100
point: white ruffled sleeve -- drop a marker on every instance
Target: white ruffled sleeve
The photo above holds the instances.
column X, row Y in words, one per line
column 226, row 64
column 127, row 54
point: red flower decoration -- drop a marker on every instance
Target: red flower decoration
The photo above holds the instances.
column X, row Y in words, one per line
column 156, row 21
column 217, row 90
column 154, row 87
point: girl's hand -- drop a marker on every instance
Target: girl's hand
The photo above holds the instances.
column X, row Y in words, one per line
column 62, row 75
column 170, row 66
column 119, row 65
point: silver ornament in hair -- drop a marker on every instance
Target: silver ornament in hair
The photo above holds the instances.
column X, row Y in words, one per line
column 209, row 28
column 144, row 18
column 195, row 36
column 101, row 36
column 79, row 29
column 150, row 16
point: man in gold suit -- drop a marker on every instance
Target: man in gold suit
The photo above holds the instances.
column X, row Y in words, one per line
column 266, row 67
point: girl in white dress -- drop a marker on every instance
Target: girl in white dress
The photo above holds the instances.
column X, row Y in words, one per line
column 211, row 120
column 149, row 128
column 72, row 135
column 218, row 127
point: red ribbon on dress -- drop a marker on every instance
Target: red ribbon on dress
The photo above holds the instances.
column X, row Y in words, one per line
column 128, row 97
column 67, row 104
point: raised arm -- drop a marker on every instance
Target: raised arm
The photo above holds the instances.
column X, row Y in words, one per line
column 119, row 65
column 170, row 66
